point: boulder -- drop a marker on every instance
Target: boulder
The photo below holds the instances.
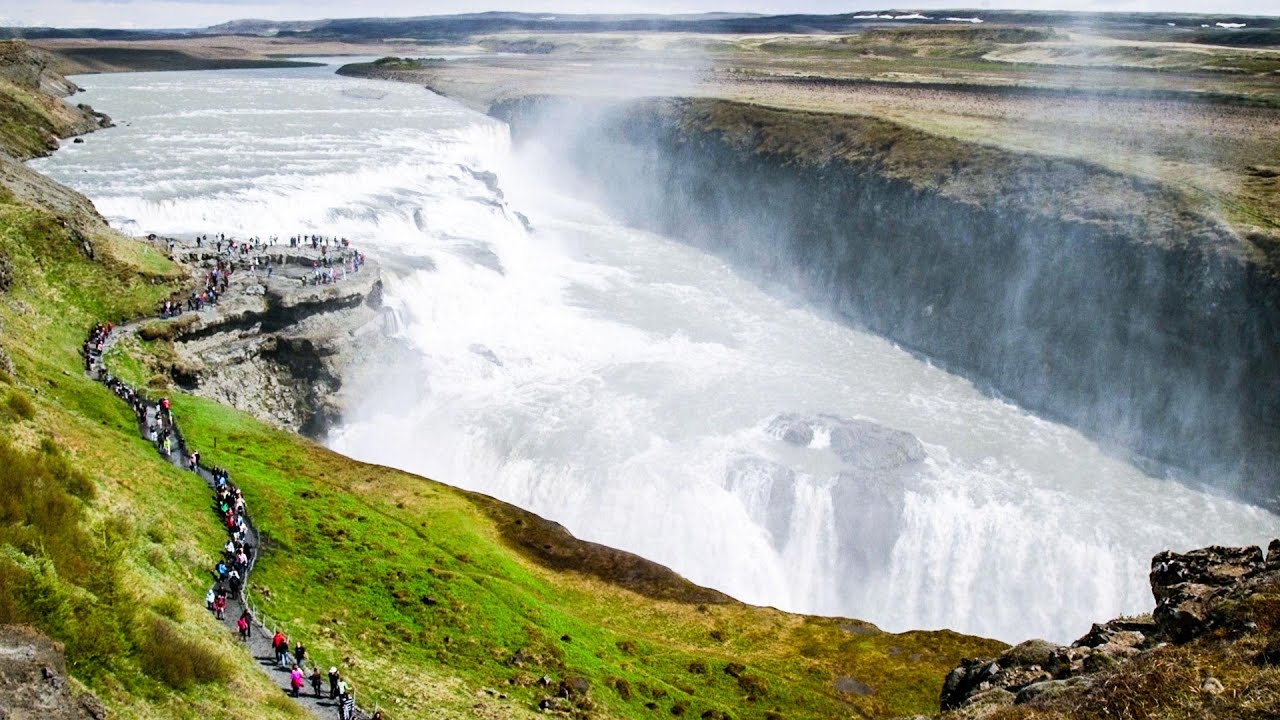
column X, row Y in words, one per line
column 1212, row 566
column 1030, row 653
column 1133, row 632
column 978, row 678
column 792, row 429
column 967, row 679
column 995, row 697
column 870, row 447
column 1049, row 690
column 1185, row 585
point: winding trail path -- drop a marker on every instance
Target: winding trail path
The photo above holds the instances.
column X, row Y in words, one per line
column 259, row 643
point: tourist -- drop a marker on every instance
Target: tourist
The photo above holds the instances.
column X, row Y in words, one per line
column 281, row 645
column 317, row 680
column 208, row 599
column 299, row 653
column 334, row 679
column 245, row 625
column 296, row 680
column 220, row 606
column 346, row 701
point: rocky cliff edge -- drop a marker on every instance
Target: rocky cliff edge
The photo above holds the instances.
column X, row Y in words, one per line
column 1210, row 649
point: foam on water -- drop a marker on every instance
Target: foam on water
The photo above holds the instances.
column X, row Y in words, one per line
column 625, row 384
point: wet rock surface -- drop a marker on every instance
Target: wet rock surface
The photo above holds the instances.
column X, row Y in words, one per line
column 1208, row 592
column 867, row 446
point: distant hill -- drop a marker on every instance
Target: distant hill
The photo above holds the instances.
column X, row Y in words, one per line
column 1239, row 30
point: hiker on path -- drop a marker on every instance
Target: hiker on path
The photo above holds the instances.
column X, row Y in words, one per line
column 243, row 626
column 346, row 701
column 281, row 645
column 299, row 653
column 334, row 679
column 296, row 681
column 317, row 680
column 209, row 599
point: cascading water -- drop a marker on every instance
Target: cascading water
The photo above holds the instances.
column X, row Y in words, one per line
column 637, row 390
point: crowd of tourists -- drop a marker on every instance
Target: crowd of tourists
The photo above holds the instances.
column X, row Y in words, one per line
column 216, row 281
column 95, row 345
column 155, row 419
column 337, row 260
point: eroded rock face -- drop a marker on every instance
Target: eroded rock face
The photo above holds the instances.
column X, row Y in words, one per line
column 33, row 680
column 1187, row 585
column 1196, row 593
column 280, row 350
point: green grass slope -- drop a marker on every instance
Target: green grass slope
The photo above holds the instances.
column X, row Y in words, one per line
column 102, row 545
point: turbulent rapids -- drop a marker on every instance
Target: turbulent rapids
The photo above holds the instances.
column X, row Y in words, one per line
column 637, row 390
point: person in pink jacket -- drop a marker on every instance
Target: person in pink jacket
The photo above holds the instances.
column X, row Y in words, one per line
column 296, row 680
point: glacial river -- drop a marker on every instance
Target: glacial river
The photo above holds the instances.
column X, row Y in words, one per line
column 631, row 387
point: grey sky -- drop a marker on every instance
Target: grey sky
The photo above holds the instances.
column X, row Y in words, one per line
column 199, row 13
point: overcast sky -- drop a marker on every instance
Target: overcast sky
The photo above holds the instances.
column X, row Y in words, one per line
column 200, row 13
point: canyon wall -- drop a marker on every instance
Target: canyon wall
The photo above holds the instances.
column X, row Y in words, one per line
column 1097, row 299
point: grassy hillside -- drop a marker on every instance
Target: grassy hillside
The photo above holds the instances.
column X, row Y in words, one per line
column 102, row 545
column 437, row 602
column 438, row 594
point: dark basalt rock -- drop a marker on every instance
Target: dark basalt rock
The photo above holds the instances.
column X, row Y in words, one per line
column 1019, row 667
column 1186, row 586
column 1197, row 593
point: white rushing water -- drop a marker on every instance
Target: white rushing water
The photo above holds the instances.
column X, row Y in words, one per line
column 629, row 386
